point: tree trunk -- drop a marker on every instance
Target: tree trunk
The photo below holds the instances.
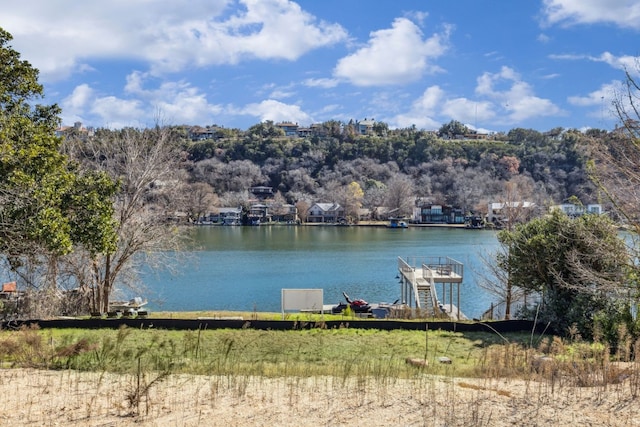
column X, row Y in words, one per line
column 507, row 301
column 95, row 285
column 106, row 284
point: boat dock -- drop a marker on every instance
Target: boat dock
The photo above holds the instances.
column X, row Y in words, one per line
column 419, row 277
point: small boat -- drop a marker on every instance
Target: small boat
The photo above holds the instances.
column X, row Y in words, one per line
column 133, row 306
column 397, row 223
column 474, row 222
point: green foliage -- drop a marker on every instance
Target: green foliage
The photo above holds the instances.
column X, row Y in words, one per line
column 579, row 266
column 554, row 160
column 46, row 205
column 453, row 129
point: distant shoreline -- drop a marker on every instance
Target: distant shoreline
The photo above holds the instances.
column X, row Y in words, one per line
column 381, row 224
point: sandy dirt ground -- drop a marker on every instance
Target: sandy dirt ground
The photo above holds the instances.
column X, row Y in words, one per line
column 68, row 398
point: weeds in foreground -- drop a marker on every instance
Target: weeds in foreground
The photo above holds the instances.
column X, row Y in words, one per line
column 356, row 361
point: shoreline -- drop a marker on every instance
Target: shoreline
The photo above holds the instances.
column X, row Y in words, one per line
column 381, row 224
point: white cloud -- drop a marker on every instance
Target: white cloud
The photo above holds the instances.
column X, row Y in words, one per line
column 514, row 96
column 78, row 99
column 179, row 103
column 118, row 113
column 605, row 95
column 422, row 111
column 600, row 102
column 176, row 103
column 626, row 62
column 433, row 108
column 75, row 105
column 321, row 82
column 61, row 37
column 396, row 55
column 543, row 38
column 629, row 63
column 281, row 94
column 469, row 111
column 624, row 13
column 276, row 111
column 550, row 76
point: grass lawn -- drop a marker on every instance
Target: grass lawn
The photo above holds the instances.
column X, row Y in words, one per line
column 337, row 352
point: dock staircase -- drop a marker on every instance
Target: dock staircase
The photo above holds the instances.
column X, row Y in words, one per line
column 427, row 301
column 425, row 292
column 419, row 277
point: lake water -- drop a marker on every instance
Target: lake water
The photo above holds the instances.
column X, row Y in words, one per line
column 245, row 268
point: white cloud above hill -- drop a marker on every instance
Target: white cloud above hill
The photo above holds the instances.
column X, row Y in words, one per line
column 395, row 55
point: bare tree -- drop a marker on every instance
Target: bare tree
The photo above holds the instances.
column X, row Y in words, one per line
column 400, row 195
column 515, row 210
column 495, row 279
column 303, row 209
column 147, row 165
column 616, row 156
column 199, row 199
column 350, row 197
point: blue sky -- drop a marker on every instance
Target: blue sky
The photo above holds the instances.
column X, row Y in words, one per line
column 493, row 65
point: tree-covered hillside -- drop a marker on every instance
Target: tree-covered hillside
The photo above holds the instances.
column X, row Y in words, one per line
column 463, row 171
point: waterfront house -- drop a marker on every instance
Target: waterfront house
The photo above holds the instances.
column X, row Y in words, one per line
column 500, row 213
column 258, row 213
column 575, row 210
column 325, row 213
column 227, row 216
column 440, row 214
column 283, row 212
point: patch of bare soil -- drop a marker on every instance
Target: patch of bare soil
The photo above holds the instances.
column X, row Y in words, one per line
column 68, row 398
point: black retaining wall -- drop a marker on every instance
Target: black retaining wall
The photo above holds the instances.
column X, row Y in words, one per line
column 504, row 326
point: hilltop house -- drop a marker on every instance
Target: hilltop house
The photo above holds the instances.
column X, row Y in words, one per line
column 77, row 129
column 365, row 127
column 289, row 129
column 261, row 192
column 198, row 133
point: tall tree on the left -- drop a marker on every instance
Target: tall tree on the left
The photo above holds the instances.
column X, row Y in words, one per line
column 47, row 207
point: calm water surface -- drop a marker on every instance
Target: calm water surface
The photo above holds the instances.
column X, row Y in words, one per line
column 245, row 268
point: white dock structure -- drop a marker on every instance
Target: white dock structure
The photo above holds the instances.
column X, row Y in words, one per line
column 419, row 277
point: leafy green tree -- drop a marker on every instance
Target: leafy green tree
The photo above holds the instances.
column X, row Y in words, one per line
column 452, row 129
column 580, row 268
column 47, row 206
column 380, row 128
column 266, row 129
